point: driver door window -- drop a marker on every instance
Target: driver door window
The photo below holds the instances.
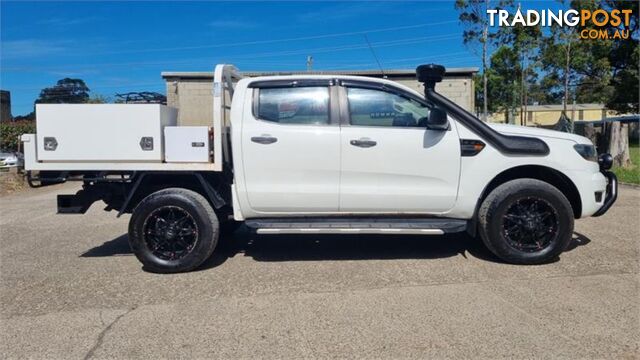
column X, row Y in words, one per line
column 369, row 107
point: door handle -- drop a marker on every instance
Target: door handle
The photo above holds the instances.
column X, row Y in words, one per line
column 363, row 143
column 264, row 139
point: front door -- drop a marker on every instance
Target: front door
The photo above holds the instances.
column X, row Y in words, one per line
column 291, row 150
column 390, row 162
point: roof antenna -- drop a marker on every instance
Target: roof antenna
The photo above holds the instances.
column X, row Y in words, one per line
column 309, row 62
column 374, row 56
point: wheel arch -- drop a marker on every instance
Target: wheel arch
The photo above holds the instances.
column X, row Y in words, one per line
column 538, row 172
column 147, row 183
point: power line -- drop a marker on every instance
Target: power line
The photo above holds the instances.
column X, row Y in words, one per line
column 389, row 43
column 261, row 42
column 351, row 47
column 449, row 58
column 442, row 57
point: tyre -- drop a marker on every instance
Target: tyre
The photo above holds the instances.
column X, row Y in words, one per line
column 526, row 221
column 173, row 230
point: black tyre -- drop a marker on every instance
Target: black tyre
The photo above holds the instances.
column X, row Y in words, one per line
column 173, row 230
column 526, row 221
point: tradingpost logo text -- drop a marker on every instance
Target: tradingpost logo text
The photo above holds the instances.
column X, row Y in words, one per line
column 605, row 22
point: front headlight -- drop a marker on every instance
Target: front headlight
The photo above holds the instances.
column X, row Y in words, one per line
column 588, row 152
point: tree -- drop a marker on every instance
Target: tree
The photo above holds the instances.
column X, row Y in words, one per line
column 27, row 117
column 579, row 67
column 473, row 15
column 556, row 60
column 66, row 91
column 98, row 99
column 10, row 133
column 525, row 42
column 624, row 58
column 502, row 81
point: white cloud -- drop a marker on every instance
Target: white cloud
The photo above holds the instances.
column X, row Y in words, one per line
column 233, row 24
column 62, row 21
column 73, row 73
column 343, row 11
column 28, row 48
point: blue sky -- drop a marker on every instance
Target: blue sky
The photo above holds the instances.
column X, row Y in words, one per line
column 123, row 46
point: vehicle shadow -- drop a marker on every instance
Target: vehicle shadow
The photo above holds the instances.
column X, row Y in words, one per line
column 577, row 240
column 273, row 248
column 116, row 247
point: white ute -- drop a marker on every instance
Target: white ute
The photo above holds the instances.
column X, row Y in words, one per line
column 318, row 155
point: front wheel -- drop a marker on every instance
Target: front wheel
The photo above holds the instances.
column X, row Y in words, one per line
column 173, row 230
column 526, row 221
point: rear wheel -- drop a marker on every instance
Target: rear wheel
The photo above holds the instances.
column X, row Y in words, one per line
column 173, row 230
column 526, row 221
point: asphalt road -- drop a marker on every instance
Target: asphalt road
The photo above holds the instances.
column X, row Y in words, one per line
column 70, row 288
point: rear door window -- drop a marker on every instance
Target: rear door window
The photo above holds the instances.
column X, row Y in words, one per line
column 303, row 105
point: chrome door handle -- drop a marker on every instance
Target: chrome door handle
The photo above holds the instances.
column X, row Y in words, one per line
column 264, row 139
column 363, row 143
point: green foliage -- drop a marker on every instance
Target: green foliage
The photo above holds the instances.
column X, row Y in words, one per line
column 98, row 99
column 28, row 117
column 10, row 133
column 66, row 91
column 630, row 174
column 477, row 33
column 561, row 55
column 517, row 65
column 503, row 76
column 624, row 57
column 473, row 16
column 624, row 98
column 548, row 65
column 596, row 70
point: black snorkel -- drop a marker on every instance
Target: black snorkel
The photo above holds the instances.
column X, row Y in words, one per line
column 430, row 74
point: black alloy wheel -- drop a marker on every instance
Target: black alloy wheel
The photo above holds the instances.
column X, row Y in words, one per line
column 530, row 224
column 526, row 221
column 173, row 230
column 170, row 232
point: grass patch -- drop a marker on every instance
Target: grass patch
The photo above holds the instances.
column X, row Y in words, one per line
column 631, row 174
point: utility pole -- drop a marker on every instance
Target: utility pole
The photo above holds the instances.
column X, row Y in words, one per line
column 566, row 34
column 485, row 38
column 309, row 62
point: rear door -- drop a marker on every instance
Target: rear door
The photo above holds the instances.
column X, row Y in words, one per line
column 390, row 162
column 291, row 148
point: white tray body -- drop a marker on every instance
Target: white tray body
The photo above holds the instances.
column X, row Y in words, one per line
column 187, row 144
column 102, row 132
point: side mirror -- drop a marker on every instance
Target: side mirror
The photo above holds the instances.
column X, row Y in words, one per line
column 437, row 120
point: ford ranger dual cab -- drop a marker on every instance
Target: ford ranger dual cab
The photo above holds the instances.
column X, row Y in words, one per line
column 312, row 154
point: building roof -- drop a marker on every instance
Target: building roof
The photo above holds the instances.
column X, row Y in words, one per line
column 393, row 73
column 570, row 107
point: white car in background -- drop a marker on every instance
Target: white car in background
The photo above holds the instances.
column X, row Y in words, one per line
column 9, row 159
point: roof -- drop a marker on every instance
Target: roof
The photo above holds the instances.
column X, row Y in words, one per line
column 393, row 73
column 625, row 119
column 570, row 107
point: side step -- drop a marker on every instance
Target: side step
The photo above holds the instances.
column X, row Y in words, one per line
column 332, row 225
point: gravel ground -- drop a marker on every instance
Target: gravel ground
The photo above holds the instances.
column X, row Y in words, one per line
column 70, row 288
